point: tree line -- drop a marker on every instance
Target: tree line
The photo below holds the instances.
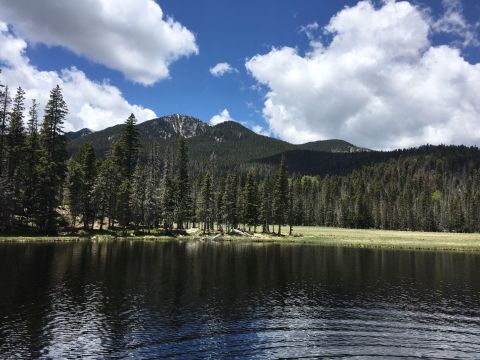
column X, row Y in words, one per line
column 432, row 189
column 147, row 192
column 42, row 190
column 32, row 161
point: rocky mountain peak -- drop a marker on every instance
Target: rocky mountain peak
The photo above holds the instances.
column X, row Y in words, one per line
column 186, row 126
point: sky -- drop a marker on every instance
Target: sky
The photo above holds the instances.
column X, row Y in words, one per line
column 380, row 74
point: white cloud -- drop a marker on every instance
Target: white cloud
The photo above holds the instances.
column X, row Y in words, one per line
column 310, row 30
column 91, row 104
column 220, row 118
column 453, row 22
column 379, row 83
column 131, row 36
column 260, row 130
column 221, row 69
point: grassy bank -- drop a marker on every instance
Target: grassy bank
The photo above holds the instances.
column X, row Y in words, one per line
column 389, row 239
column 313, row 235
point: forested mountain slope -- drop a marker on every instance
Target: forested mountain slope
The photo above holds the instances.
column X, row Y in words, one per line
column 308, row 162
column 229, row 143
column 332, row 145
column 433, row 188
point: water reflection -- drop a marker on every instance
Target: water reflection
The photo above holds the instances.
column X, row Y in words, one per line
column 153, row 300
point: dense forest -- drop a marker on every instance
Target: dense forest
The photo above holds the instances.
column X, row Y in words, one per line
column 148, row 187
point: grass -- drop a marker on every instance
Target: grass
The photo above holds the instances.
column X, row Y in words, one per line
column 320, row 236
column 415, row 240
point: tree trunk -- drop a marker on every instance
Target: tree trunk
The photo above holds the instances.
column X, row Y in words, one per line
column 279, row 229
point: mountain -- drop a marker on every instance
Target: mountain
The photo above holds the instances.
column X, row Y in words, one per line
column 229, row 143
column 310, row 162
column 72, row 135
column 165, row 128
column 333, row 145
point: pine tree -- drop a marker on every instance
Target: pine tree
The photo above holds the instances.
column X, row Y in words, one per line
column 125, row 154
column 124, row 204
column 151, row 202
column 250, row 202
column 206, row 203
column 219, row 209
column 4, row 117
column 266, row 204
column 105, row 192
column 168, row 196
column 51, row 164
column 31, row 180
column 74, row 189
column 5, row 190
column 280, row 197
column 230, row 200
column 138, row 195
column 183, row 200
column 15, row 152
column 80, row 185
column 291, row 208
column 126, row 150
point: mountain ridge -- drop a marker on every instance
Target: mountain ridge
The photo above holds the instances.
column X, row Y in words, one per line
column 223, row 140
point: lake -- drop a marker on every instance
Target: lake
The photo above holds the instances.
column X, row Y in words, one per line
column 145, row 299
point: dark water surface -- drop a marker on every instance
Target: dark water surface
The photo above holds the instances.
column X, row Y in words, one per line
column 190, row 300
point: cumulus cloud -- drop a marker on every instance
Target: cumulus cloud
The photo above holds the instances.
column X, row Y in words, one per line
column 260, row 130
column 131, row 36
column 221, row 69
column 91, row 104
column 220, row 118
column 379, row 83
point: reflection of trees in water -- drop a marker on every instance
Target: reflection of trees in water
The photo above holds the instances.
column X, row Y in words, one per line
column 117, row 295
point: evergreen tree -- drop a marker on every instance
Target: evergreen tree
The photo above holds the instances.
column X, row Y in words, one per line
column 15, row 152
column 219, row 208
column 31, row 180
column 151, row 202
column 291, row 208
column 126, row 150
column 5, row 190
column 183, row 199
column 125, row 154
column 230, row 200
column 105, row 192
column 168, row 196
column 280, row 197
column 51, row 164
column 206, row 203
column 250, row 202
column 74, row 190
column 266, row 204
column 4, row 116
column 124, row 204
column 138, row 195
column 82, row 172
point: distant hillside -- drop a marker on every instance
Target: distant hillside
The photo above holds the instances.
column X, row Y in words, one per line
column 333, row 145
column 229, row 143
column 156, row 130
column 309, row 162
column 72, row 135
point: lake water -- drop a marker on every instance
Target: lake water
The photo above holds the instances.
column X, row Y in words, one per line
column 191, row 300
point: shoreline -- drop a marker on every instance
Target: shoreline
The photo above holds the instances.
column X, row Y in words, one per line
column 353, row 238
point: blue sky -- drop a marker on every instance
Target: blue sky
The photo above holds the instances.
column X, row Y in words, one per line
column 234, row 32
